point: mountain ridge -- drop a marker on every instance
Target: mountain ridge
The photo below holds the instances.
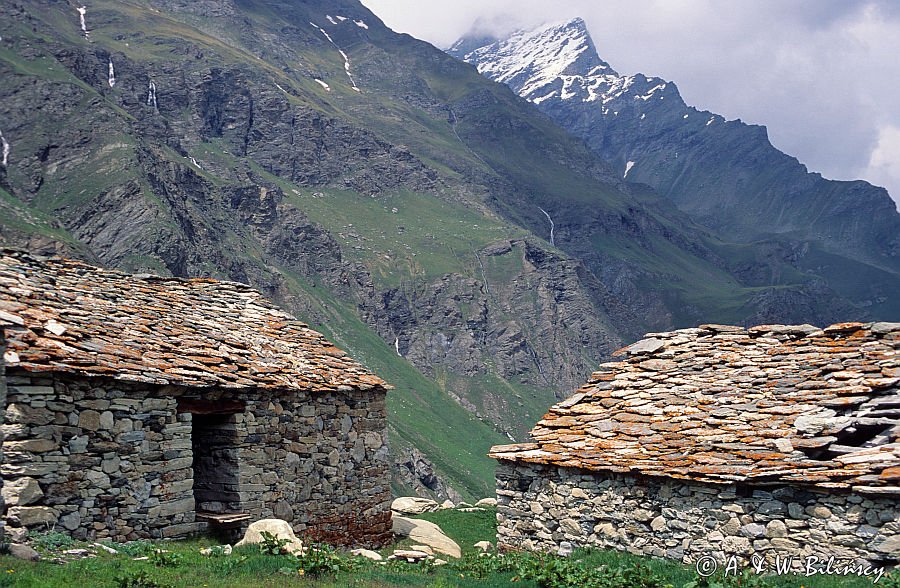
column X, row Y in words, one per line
column 642, row 125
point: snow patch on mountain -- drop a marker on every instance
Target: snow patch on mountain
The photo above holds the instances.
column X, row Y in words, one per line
column 530, row 61
column 341, row 51
column 6, row 149
column 82, row 10
column 151, row 95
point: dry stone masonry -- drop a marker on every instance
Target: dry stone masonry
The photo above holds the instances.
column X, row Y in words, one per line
column 722, row 441
column 148, row 407
column 5, row 322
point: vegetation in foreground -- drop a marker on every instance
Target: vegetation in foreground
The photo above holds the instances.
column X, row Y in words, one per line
column 145, row 564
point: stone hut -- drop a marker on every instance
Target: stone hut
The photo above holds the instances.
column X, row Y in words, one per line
column 148, row 407
column 774, row 441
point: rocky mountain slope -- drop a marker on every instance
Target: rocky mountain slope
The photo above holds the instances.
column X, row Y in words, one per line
column 437, row 227
column 724, row 174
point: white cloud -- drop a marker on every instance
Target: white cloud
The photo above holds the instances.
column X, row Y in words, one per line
column 822, row 75
column 884, row 163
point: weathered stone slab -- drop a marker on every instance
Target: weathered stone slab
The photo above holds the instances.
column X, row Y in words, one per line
column 646, row 346
column 31, row 445
column 428, row 533
column 31, row 516
column 21, row 492
column 413, row 505
column 89, row 420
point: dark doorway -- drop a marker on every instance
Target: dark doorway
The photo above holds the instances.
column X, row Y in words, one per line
column 214, row 443
column 216, row 480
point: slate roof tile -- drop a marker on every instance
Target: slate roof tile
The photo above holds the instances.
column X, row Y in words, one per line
column 720, row 404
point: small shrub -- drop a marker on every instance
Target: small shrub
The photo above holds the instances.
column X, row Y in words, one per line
column 140, row 579
column 549, row 571
column 745, row 580
column 165, row 559
column 484, row 565
column 272, row 545
column 320, row 560
column 50, row 540
column 132, row 548
column 640, row 576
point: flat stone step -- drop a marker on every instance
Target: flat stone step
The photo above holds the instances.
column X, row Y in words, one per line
column 223, row 518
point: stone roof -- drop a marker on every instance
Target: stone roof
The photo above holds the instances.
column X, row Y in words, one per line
column 770, row 404
column 70, row 317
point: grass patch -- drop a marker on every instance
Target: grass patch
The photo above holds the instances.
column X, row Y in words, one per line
column 180, row 564
column 403, row 236
column 511, row 405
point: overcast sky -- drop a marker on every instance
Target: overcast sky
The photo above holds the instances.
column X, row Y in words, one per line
column 822, row 75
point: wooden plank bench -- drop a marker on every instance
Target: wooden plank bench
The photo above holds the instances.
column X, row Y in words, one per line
column 223, row 519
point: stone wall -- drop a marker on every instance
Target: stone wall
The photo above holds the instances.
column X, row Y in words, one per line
column 96, row 458
column 320, row 462
column 101, row 458
column 2, row 413
column 541, row 506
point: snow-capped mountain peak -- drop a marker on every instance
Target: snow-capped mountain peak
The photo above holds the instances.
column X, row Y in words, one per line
column 533, row 62
column 556, row 61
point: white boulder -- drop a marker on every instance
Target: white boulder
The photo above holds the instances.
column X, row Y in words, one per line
column 426, row 533
column 278, row 528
